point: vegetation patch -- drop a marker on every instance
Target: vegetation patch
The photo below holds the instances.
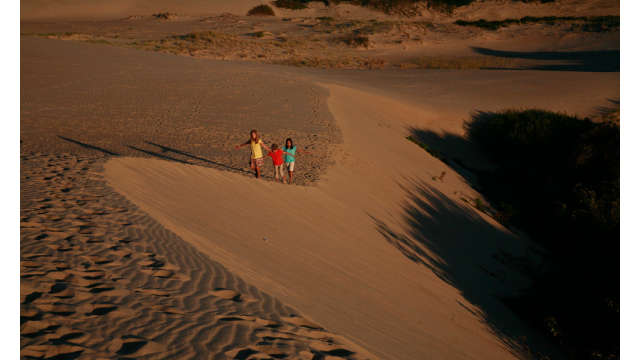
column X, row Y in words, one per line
column 261, row 10
column 589, row 24
column 345, row 62
column 375, row 26
column 292, row 4
column 558, row 178
column 354, row 40
column 459, row 63
column 164, row 16
column 407, row 7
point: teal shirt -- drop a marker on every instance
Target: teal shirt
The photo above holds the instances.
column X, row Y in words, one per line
column 289, row 158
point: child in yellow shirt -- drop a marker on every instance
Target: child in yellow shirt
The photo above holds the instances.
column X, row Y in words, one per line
column 257, row 159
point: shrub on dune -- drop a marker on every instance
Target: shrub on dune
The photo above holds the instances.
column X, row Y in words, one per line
column 291, row 4
column 261, row 10
column 558, row 178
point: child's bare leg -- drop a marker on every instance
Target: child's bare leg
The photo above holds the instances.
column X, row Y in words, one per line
column 281, row 168
column 257, row 172
column 290, row 177
column 254, row 167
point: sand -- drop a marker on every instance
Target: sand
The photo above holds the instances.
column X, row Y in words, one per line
column 143, row 234
column 100, row 278
column 353, row 236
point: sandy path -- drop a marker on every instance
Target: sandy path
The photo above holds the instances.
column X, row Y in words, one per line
column 339, row 241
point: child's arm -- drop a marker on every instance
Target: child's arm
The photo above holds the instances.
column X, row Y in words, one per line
column 264, row 146
column 243, row 144
column 292, row 155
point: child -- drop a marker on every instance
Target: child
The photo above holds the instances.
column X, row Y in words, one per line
column 290, row 159
column 256, row 151
column 276, row 156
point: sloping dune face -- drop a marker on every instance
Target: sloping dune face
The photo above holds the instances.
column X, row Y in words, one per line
column 382, row 250
column 319, row 248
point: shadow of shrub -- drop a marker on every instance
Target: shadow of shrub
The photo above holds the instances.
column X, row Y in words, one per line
column 557, row 177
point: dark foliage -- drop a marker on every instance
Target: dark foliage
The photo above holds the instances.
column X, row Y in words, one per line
column 292, row 4
column 383, row 5
column 261, row 10
column 589, row 24
column 354, row 40
column 558, row 178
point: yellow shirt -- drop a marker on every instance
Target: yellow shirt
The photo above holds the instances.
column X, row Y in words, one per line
column 256, row 149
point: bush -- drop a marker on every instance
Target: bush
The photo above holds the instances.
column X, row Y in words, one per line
column 383, row 5
column 558, row 178
column 291, row 4
column 588, row 24
column 164, row 16
column 261, row 10
column 354, row 40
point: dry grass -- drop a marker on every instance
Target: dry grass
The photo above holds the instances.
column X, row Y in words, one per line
column 353, row 40
column 165, row 16
column 459, row 63
column 343, row 62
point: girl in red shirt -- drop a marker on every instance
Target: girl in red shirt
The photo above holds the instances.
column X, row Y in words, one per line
column 278, row 161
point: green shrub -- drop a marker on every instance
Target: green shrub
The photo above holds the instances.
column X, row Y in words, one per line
column 261, row 10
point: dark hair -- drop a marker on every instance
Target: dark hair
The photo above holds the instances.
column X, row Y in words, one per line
column 274, row 146
column 257, row 136
column 285, row 143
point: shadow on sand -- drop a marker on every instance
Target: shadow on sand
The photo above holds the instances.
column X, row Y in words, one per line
column 164, row 148
column 589, row 61
column 87, row 146
column 470, row 254
column 162, row 155
column 557, row 178
column 158, row 155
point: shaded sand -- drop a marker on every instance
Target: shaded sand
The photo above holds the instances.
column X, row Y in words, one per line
column 101, row 279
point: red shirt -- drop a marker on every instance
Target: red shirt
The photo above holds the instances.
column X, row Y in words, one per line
column 276, row 156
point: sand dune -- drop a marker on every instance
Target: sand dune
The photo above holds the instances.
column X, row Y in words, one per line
column 383, row 254
column 335, row 241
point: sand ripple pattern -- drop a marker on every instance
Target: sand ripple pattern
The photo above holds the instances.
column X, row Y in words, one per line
column 101, row 279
